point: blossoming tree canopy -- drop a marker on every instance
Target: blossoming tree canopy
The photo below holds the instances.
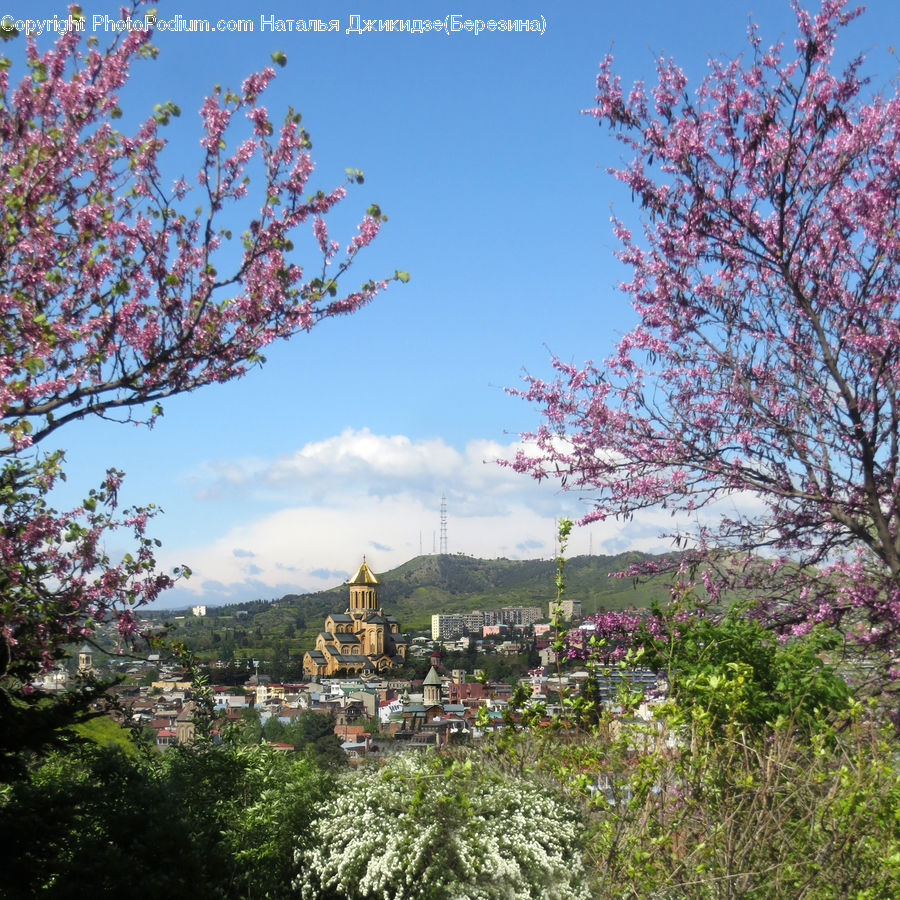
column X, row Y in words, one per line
column 766, row 356
column 112, row 298
column 111, row 290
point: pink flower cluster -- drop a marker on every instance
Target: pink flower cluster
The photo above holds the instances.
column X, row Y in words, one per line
column 123, row 292
column 58, row 580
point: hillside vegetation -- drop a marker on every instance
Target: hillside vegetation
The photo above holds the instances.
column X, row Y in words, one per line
column 447, row 583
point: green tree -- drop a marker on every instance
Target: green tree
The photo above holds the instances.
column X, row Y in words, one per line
column 313, row 732
column 248, row 730
column 250, row 808
column 217, row 823
column 91, row 822
column 725, row 668
column 274, row 729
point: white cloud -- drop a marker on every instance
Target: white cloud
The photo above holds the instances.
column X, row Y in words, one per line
column 362, row 493
column 356, row 464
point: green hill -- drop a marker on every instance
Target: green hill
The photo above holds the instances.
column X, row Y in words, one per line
column 426, row 585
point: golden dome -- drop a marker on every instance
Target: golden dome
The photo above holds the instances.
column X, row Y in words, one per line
column 364, row 575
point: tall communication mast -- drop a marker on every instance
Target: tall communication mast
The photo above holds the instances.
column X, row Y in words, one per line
column 443, row 524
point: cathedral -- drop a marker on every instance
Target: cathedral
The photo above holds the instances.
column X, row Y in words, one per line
column 362, row 640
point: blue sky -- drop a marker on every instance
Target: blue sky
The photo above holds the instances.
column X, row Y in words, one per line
column 498, row 206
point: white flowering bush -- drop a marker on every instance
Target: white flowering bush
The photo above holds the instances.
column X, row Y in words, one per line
column 423, row 827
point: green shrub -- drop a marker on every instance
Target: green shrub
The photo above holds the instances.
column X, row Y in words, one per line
column 754, row 815
column 210, row 822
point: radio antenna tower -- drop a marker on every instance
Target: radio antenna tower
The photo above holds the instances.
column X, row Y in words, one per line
column 443, row 524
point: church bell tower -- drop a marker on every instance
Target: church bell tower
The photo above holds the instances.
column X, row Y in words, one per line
column 363, row 591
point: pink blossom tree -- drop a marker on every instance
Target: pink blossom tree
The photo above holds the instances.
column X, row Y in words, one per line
column 120, row 287
column 765, row 364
